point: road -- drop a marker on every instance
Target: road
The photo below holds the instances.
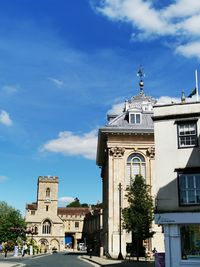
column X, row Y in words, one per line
column 54, row 260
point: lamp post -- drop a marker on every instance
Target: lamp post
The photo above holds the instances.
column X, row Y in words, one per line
column 120, row 257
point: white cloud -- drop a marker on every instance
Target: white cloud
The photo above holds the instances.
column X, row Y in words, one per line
column 180, row 19
column 66, row 199
column 57, row 83
column 189, row 50
column 168, row 100
column 3, row 178
column 10, row 89
column 116, row 109
column 138, row 12
column 70, row 144
column 182, row 8
column 5, row 118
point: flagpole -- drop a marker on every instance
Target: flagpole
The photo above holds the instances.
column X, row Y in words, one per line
column 197, row 89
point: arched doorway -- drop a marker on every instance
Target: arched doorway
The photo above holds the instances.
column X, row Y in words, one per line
column 54, row 244
column 69, row 240
column 43, row 245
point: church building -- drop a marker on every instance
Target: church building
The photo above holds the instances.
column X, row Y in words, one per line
column 53, row 226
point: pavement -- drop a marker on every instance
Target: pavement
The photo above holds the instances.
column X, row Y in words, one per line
column 96, row 261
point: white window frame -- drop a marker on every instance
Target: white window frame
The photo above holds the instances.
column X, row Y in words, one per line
column 189, row 189
column 187, row 134
column 140, row 162
column 135, row 115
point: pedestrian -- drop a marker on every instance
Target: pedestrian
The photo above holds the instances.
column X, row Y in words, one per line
column 6, row 252
column 24, row 250
column 90, row 252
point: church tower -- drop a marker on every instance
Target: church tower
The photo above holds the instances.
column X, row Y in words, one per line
column 47, row 194
column 42, row 216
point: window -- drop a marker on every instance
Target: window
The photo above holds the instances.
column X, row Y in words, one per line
column 189, row 189
column 76, row 224
column 46, row 227
column 190, row 241
column 32, row 212
column 47, row 208
column 48, row 192
column 187, row 134
column 135, row 165
column 135, row 118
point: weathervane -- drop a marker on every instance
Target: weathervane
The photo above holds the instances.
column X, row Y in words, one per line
column 141, row 74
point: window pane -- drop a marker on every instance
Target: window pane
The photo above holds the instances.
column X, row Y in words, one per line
column 198, row 196
column 182, row 182
column 183, row 198
column 191, row 196
column 190, row 180
column 137, row 118
column 198, row 181
column 132, row 118
column 181, row 129
column 136, row 160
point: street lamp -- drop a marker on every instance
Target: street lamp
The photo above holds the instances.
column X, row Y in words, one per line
column 120, row 257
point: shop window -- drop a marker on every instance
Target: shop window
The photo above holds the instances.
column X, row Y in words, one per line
column 187, row 134
column 190, row 241
column 189, row 189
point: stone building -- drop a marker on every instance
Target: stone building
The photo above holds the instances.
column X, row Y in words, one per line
column 92, row 229
column 55, row 226
column 125, row 148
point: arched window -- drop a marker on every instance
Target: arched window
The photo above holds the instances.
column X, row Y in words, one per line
column 135, row 165
column 46, row 227
column 48, row 192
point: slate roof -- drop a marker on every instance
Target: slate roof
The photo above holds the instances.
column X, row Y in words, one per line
column 32, row 206
column 140, row 104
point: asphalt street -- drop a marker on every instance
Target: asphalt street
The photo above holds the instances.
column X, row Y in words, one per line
column 52, row 260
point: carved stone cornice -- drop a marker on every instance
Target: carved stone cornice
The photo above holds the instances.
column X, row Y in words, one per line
column 151, row 152
column 117, row 152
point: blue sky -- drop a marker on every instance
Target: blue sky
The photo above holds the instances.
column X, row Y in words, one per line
column 64, row 65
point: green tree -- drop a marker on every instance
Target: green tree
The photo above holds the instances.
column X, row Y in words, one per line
column 74, row 204
column 138, row 216
column 10, row 218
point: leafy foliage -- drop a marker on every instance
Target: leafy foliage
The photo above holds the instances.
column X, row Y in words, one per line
column 76, row 204
column 138, row 216
column 10, row 217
